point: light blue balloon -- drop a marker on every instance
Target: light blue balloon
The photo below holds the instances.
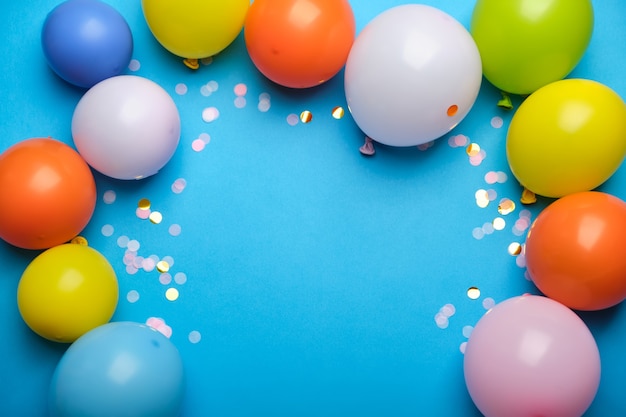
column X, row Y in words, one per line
column 120, row 369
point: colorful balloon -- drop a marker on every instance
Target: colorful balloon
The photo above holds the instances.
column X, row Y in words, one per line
column 412, row 75
column 531, row 356
column 47, row 194
column 299, row 43
column 567, row 137
column 574, row 251
column 86, row 41
column 195, row 28
column 126, row 127
column 66, row 291
column 122, row 369
column 525, row 45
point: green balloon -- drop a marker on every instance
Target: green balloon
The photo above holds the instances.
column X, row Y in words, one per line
column 526, row 44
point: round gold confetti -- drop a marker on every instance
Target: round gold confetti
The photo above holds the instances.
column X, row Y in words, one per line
column 156, row 217
column 506, row 206
column 482, row 198
column 162, row 266
column 499, row 223
column 171, row 294
column 144, row 204
column 338, row 112
column 473, row 293
column 515, row 249
column 306, row 116
column 472, row 149
column 79, row 240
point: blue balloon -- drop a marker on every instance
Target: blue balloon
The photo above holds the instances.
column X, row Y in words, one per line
column 120, row 369
column 86, row 41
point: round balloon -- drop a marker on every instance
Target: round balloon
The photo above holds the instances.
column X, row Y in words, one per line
column 525, row 45
column 299, row 43
column 412, row 75
column 574, row 251
column 66, row 291
column 126, row 127
column 86, row 41
column 47, row 194
column 195, row 28
column 121, row 369
column 566, row 137
column 531, row 356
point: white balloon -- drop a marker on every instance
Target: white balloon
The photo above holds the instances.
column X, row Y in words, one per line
column 412, row 75
column 126, row 127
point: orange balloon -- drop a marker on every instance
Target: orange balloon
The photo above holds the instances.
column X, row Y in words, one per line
column 299, row 43
column 47, row 194
column 575, row 251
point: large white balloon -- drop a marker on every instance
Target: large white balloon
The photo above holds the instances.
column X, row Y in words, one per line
column 126, row 127
column 412, row 75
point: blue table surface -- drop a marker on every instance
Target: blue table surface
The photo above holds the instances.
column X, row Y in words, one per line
column 309, row 276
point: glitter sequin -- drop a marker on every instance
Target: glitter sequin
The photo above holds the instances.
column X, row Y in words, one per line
column 338, row 112
column 473, row 293
column 306, row 116
column 499, row 223
column 506, row 206
column 515, row 249
column 163, row 266
column 156, row 217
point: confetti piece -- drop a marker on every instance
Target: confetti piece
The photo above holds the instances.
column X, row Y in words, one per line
column 148, row 264
column 109, row 197
column 515, row 249
column 478, row 233
column 194, row 336
column 306, row 116
column 497, row 122
column 198, row 145
column 488, row 303
column 462, row 347
column 338, row 112
column 156, row 217
column 292, row 119
column 159, row 325
column 506, row 206
column 181, row 89
column 134, row 65
column 165, row 278
column 441, row 321
column 473, row 293
column 179, row 185
column 163, row 266
column 448, row 310
column 107, row 230
column 132, row 296
column 142, row 214
column 240, row 102
column 210, row 114
column 133, row 245
column 171, row 294
column 144, row 204
column 240, row 89
column 180, row 278
column 473, row 149
column 499, row 223
column 467, row 331
column 174, row 230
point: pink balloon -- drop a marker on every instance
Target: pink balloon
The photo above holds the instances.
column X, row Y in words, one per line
column 531, row 356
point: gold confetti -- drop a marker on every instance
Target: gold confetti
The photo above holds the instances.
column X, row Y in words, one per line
column 482, row 198
column 528, row 197
column 515, row 249
column 338, row 112
column 506, row 206
column 473, row 149
column 144, row 204
column 171, row 294
column 473, row 293
column 306, row 116
column 499, row 223
column 79, row 240
column 156, row 217
column 162, row 266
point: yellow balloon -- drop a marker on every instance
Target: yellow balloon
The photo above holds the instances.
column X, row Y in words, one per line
column 66, row 291
column 195, row 28
column 566, row 137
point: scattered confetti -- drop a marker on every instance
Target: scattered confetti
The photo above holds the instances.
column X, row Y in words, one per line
column 425, row 146
column 506, row 206
column 367, row 148
column 198, row 145
column 264, row 102
column 160, row 325
column 210, row 114
column 482, row 198
column 142, row 213
column 174, row 229
column 109, row 197
column 107, row 230
column 448, row 310
column 156, row 217
column 467, row 331
column 488, row 303
column 473, row 149
column 132, row 296
column 240, row 89
column 499, row 223
column 441, row 321
column 169, row 260
column 206, row 61
column 515, row 249
column 163, row 266
column 194, row 336
column 497, row 122
column 520, row 260
column 292, row 119
column 338, row 112
column 462, row 347
column 133, row 245
column 458, row 141
column 493, row 177
column 180, row 278
column 179, row 185
column 306, row 116
column 181, row 89
column 165, row 278
column 131, row 269
column 122, row 241
column 478, row 233
column 134, row 65
column 144, row 204
column 148, row 264
column 171, row 294
column 240, row 102
column 473, row 293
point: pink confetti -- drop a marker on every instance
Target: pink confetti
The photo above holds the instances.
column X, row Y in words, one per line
column 159, row 325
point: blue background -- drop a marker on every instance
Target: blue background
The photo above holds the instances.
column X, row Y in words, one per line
column 314, row 273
